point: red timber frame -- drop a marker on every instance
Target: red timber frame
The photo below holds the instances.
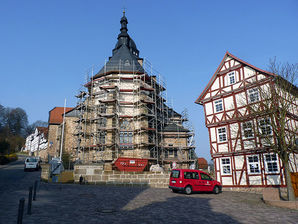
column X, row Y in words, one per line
column 237, row 116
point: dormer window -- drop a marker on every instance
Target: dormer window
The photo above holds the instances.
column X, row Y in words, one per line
column 231, row 78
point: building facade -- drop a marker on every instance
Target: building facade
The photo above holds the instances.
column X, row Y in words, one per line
column 37, row 143
column 55, row 131
column 123, row 113
column 240, row 154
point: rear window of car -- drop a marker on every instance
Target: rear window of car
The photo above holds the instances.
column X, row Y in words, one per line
column 175, row 173
column 31, row 160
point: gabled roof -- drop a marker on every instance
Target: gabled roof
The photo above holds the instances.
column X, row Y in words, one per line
column 43, row 130
column 228, row 54
column 55, row 115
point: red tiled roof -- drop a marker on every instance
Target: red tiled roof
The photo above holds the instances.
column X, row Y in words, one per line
column 203, row 164
column 56, row 114
column 43, row 130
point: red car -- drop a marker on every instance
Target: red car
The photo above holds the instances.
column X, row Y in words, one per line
column 193, row 180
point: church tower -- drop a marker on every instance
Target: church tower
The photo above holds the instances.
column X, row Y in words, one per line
column 123, row 113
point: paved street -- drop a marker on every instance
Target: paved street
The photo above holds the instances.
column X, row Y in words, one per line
column 110, row 204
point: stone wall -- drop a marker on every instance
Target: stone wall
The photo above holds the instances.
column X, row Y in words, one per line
column 45, row 172
column 257, row 190
column 53, row 143
column 96, row 175
column 70, row 141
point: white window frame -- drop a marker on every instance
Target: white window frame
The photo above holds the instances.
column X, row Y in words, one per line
column 222, row 134
column 247, row 129
column 271, row 163
column 253, row 164
column 231, row 76
column 225, row 166
column 266, row 126
column 253, row 95
column 218, row 105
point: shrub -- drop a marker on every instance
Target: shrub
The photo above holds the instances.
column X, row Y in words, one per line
column 3, row 160
column 12, row 157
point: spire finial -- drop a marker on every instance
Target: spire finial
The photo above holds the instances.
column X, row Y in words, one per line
column 123, row 11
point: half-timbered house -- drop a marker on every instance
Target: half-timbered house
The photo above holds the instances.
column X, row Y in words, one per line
column 241, row 158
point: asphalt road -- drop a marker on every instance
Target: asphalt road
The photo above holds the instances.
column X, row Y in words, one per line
column 82, row 204
column 14, row 184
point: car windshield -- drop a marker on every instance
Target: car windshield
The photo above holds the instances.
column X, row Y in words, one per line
column 31, row 160
column 175, row 173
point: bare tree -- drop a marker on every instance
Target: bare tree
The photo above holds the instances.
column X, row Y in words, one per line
column 276, row 113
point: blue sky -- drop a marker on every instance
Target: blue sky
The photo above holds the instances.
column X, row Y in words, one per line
column 46, row 47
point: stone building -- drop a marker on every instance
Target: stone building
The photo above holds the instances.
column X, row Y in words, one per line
column 123, row 113
column 54, row 130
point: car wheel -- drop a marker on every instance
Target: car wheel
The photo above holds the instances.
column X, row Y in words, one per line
column 174, row 191
column 188, row 190
column 216, row 190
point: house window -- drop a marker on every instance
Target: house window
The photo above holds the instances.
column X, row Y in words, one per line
column 253, row 164
column 102, row 122
column 173, row 152
column 265, row 126
column 271, row 163
column 253, row 95
column 226, row 166
column 218, row 105
column 231, row 78
column 222, row 134
column 247, row 128
column 102, row 138
column 125, row 139
column 166, row 154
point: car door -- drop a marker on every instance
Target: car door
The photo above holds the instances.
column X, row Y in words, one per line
column 196, row 181
column 206, row 182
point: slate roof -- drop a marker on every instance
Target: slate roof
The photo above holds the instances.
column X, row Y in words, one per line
column 72, row 113
column 125, row 54
column 172, row 127
column 55, row 115
column 124, row 61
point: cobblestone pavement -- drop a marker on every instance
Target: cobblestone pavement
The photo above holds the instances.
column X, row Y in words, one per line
column 90, row 204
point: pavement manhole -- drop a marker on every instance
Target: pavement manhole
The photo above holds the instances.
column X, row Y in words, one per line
column 106, row 210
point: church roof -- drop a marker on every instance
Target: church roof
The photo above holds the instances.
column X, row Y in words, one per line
column 125, row 54
column 122, row 61
column 172, row 127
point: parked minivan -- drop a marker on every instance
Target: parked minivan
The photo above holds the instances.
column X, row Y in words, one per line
column 189, row 181
column 31, row 163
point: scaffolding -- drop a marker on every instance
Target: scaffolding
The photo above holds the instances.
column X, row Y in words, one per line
column 123, row 114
